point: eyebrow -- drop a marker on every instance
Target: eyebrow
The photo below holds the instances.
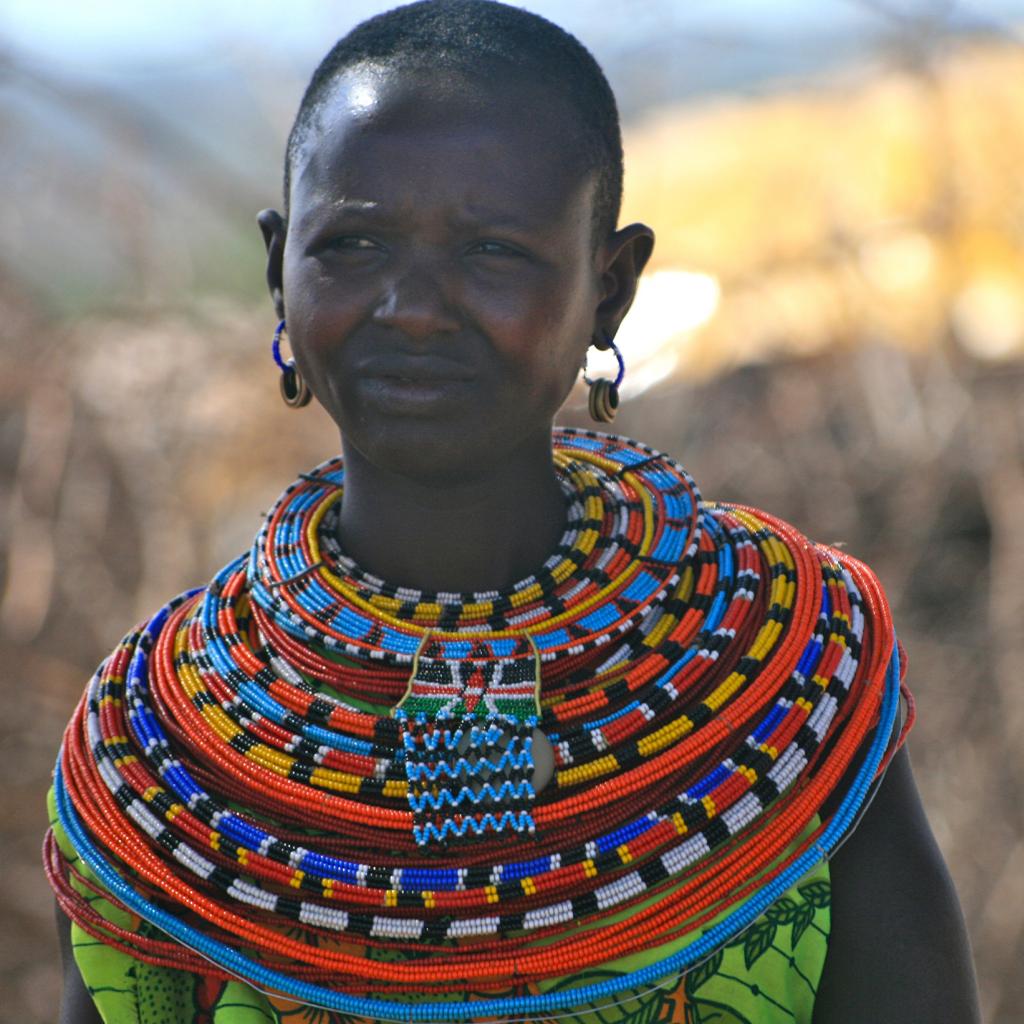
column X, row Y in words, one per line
column 471, row 215
column 315, row 213
column 346, row 205
column 497, row 218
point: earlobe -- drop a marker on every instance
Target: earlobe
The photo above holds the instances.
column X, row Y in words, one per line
column 274, row 229
column 625, row 255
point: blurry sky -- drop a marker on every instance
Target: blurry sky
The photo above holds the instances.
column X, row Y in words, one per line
column 142, row 134
column 105, row 36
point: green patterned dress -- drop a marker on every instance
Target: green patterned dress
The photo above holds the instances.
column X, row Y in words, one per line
column 768, row 975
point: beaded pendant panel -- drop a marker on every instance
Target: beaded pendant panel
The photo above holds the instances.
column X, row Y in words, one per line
column 467, row 732
column 301, row 755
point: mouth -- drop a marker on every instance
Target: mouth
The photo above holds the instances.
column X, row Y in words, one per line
column 416, row 392
column 427, row 382
column 418, row 382
column 415, row 371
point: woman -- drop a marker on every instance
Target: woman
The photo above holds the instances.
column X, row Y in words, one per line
column 606, row 789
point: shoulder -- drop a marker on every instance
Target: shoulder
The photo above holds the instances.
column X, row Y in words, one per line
column 898, row 950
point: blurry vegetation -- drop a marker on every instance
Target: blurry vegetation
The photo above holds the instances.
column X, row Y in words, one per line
column 853, row 360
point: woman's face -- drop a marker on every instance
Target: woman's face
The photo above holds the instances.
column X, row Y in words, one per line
column 440, row 282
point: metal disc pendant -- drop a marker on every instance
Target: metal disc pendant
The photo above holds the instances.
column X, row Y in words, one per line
column 543, row 760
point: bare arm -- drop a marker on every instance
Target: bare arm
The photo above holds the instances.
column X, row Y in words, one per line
column 899, row 950
column 76, row 1006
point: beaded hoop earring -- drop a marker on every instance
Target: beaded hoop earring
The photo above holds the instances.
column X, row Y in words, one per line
column 294, row 390
column 604, row 393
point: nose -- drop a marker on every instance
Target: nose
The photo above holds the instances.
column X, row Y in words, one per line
column 416, row 301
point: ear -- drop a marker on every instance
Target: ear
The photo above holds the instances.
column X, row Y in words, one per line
column 274, row 229
column 623, row 257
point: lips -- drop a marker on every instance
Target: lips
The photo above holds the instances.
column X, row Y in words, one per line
column 415, row 369
column 414, row 385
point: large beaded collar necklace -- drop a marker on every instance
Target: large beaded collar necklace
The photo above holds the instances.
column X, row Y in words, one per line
column 630, row 746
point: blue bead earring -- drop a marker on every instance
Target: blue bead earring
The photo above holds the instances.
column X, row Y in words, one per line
column 604, row 394
column 294, row 390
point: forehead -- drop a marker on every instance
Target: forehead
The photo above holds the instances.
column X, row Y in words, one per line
column 445, row 131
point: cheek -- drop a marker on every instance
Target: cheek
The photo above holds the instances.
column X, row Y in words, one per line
column 541, row 375
column 319, row 315
column 551, row 341
column 306, row 298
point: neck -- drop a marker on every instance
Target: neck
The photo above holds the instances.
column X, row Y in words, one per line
column 482, row 533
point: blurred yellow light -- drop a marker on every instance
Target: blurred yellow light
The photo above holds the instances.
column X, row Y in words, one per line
column 989, row 317
column 898, row 262
column 670, row 306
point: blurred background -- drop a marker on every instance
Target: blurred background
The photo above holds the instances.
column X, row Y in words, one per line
column 832, row 329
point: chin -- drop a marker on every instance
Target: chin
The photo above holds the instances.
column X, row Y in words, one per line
column 428, row 454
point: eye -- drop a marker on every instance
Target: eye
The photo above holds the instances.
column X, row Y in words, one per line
column 490, row 247
column 353, row 243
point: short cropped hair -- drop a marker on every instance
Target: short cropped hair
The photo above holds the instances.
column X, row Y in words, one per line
column 478, row 38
